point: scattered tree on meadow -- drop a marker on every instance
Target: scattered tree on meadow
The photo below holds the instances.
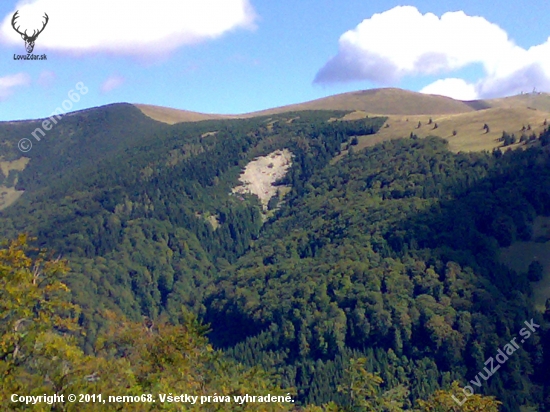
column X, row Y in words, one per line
column 507, row 139
column 523, row 138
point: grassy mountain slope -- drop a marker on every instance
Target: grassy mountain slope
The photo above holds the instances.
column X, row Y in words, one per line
column 381, row 101
column 405, row 109
column 533, row 101
column 470, row 134
column 173, row 116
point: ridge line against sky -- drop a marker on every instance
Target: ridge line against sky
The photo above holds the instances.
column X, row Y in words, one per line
column 239, row 56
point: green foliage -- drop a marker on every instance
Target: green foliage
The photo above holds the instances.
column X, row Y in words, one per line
column 536, row 271
column 444, row 401
column 33, row 302
column 363, row 389
column 543, row 139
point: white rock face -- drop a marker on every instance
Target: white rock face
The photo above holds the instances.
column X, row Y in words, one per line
column 260, row 174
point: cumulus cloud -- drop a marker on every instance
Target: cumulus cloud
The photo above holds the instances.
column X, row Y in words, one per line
column 128, row 26
column 10, row 82
column 112, row 83
column 402, row 42
column 457, row 88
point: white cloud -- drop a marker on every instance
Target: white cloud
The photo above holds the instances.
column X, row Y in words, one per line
column 403, row 42
column 10, row 82
column 112, row 83
column 455, row 88
column 127, row 26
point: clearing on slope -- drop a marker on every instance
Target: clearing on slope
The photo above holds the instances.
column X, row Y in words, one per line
column 8, row 194
column 260, row 174
column 532, row 101
column 519, row 255
column 465, row 132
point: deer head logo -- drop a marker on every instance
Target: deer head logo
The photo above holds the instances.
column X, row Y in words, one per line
column 29, row 40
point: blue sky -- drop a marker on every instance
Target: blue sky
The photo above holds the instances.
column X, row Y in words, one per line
column 236, row 56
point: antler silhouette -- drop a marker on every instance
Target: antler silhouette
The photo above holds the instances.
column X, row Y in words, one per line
column 29, row 40
column 43, row 26
column 15, row 16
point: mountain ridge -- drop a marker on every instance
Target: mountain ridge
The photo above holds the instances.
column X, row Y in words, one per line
column 381, row 101
column 378, row 101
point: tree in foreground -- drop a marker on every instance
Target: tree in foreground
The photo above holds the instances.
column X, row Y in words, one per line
column 454, row 400
column 39, row 353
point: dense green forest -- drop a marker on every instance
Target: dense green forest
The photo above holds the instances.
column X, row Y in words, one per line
column 148, row 366
column 383, row 265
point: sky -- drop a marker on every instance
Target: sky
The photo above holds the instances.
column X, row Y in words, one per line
column 239, row 56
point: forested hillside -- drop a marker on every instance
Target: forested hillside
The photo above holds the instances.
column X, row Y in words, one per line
column 392, row 253
column 131, row 217
column 388, row 255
